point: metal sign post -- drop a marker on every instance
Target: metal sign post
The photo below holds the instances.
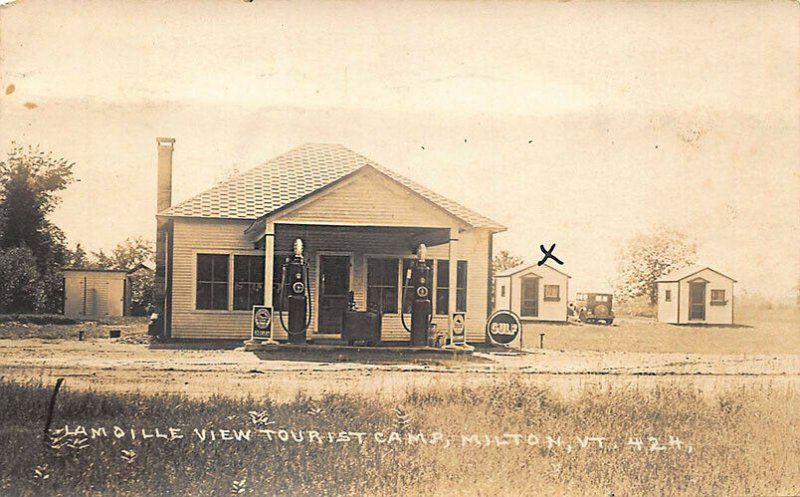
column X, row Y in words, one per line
column 261, row 324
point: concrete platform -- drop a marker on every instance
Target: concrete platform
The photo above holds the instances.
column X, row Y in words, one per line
column 357, row 353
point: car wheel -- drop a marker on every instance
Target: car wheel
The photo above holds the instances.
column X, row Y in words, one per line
column 582, row 316
column 609, row 322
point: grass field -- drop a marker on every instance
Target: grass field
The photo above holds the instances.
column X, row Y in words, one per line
column 740, row 442
column 691, row 411
column 758, row 331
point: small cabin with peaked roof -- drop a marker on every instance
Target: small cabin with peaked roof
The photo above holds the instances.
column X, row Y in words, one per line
column 695, row 295
column 534, row 293
column 219, row 252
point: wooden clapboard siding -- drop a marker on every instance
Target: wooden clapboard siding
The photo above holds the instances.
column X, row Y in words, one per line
column 369, row 199
column 194, row 236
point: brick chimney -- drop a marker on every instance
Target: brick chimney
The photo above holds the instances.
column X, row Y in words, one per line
column 164, row 198
column 164, row 237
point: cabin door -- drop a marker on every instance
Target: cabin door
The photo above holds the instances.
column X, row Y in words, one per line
column 529, row 305
column 697, row 300
column 334, row 284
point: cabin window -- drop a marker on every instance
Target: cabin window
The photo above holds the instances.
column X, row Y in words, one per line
column 552, row 293
column 382, row 281
column 443, row 287
column 718, row 297
column 248, row 281
column 212, row 282
column 668, row 296
column 502, row 290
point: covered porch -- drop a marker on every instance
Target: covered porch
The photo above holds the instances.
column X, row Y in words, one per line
column 370, row 261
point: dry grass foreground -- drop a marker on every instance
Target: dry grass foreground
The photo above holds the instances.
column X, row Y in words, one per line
column 738, row 442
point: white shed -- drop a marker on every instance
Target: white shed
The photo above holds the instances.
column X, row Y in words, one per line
column 695, row 294
column 534, row 293
column 95, row 293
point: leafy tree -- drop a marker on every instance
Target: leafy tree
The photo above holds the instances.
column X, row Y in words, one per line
column 30, row 182
column 99, row 260
column 648, row 256
column 21, row 290
column 504, row 260
column 79, row 258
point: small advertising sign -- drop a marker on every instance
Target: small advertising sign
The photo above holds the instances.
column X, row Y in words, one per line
column 261, row 325
column 458, row 335
column 503, row 327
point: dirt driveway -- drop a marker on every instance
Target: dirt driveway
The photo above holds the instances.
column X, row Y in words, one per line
column 112, row 365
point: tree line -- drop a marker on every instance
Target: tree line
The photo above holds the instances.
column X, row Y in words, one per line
column 33, row 250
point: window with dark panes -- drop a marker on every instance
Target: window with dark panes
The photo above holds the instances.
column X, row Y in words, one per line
column 461, row 286
column 212, row 282
column 668, row 296
column 248, row 281
column 382, row 283
column 717, row 296
column 442, row 287
column 277, row 273
column 408, row 298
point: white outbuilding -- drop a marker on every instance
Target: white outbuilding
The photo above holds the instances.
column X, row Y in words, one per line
column 534, row 293
column 695, row 295
column 94, row 293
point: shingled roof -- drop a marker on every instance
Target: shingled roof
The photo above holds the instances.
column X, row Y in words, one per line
column 296, row 174
column 683, row 273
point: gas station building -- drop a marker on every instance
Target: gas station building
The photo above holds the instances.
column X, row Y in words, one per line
column 220, row 252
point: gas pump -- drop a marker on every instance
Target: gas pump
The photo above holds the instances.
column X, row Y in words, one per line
column 294, row 274
column 418, row 277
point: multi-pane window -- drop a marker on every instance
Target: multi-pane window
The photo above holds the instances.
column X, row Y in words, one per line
column 717, row 296
column 212, row 282
column 382, row 280
column 442, row 286
column 248, row 281
column 667, row 295
column 277, row 274
column 461, row 286
column 551, row 292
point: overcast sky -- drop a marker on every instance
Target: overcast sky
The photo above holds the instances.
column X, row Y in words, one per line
column 576, row 124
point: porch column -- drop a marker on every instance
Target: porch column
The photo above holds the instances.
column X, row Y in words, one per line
column 269, row 251
column 452, row 256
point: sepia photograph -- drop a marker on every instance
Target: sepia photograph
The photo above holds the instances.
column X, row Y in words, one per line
column 382, row 248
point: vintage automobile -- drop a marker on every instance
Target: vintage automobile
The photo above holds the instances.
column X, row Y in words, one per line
column 593, row 308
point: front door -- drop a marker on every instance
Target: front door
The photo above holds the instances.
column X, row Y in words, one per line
column 334, row 284
column 697, row 300
column 529, row 306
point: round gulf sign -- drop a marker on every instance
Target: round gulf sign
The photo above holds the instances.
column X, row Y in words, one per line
column 298, row 287
column 503, row 327
column 422, row 292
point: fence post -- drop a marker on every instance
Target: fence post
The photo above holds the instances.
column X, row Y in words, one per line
column 50, row 409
